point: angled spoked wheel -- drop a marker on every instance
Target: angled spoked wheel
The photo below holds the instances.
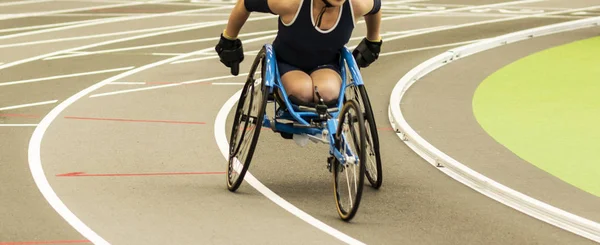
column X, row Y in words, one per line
column 348, row 177
column 247, row 123
column 373, row 164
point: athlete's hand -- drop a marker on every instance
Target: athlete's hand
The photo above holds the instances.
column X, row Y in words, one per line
column 367, row 52
column 231, row 53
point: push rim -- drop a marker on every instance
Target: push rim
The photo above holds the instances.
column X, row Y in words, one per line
column 373, row 169
column 247, row 124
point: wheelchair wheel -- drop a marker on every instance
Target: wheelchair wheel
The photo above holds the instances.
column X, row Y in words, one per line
column 348, row 178
column 373, row 164
column 247, row 124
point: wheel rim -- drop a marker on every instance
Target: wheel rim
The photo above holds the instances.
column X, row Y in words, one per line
column 247, row 119
column 242, row 137
column 348, row 176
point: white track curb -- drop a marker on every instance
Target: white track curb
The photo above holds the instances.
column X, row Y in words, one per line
column 535, row 208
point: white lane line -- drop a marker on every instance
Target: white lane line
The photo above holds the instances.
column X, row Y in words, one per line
column 505, row 15
column 456, row 10
column 393, row 33
column 166, row 85
column 127, row 83
column 11, row 45
column 25, row 28
column 18, row 125
column 66, row 76
column 428, row 48
column 28, row 105
column 138, row 14
column 32, row 14
column 228, row 84
column 221, row 138
column 112, row 20
column 214, row 56
column 68, row 55
column 155, row 45
column 14, row 63
column 23, row 2
column 166, row 54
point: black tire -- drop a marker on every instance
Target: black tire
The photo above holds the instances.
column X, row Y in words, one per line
column 351, row 127
column 247, row 124
column 373, row 166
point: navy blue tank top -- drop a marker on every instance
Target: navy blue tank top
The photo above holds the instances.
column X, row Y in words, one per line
column 302, row 45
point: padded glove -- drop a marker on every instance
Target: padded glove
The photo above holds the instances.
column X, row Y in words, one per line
column 231, row 53
column 366, row 52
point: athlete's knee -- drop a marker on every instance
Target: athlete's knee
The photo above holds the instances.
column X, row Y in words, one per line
column 328, row 91
column 298, row 85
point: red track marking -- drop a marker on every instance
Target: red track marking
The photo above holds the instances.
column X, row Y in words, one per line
column 45, row 242
column 132, row 120
column 83, row 174
column 19, row 115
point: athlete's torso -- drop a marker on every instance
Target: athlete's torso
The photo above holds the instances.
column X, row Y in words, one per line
column 303, row 45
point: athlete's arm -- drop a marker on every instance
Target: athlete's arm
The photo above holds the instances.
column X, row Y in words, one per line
column 373, row 22
column 367, row 51
column 373, row 19
column 237, row 19
column 242, row 9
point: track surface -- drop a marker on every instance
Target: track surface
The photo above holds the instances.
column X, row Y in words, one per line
column 113, row 139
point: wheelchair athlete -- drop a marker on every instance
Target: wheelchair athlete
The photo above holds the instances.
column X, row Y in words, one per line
column 310, row 35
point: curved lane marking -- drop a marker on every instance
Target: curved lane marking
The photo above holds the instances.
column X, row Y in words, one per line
column 451, row 167
column 221, row 138
column 34, row 151
column 35, row 161
column 35, row 164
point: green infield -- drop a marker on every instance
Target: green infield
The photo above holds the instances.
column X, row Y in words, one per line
column 546, row 109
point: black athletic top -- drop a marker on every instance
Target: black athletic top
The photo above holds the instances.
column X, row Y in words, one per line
column 303, row 45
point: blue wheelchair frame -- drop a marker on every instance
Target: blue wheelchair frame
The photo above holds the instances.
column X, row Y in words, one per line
column 272, row 82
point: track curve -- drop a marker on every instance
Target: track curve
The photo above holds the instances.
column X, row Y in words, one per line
column 142, row 167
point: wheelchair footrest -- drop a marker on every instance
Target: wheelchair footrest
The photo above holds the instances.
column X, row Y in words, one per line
column 312, row 109
column 287, row 136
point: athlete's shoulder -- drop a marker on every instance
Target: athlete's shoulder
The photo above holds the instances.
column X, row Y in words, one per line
column 284, row 7
column 363, row 7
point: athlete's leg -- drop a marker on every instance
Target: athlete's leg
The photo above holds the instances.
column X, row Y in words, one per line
column 297, row 83
column 328, row 81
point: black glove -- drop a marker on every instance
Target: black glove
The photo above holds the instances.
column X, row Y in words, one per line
column 231, row 53
column 366, row 52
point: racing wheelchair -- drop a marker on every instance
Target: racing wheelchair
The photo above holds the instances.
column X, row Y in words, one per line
column 348, row 127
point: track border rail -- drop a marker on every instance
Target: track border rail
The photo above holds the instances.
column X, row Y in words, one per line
column 512, row 198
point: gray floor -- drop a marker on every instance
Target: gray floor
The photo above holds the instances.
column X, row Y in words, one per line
column 416, row 205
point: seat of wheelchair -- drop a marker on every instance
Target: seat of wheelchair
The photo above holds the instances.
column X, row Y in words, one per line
column 306, row 106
